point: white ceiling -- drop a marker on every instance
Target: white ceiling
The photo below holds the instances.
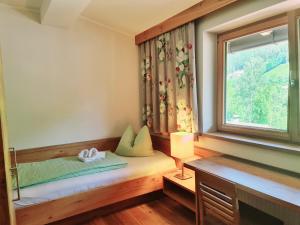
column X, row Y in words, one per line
column 31, row 4
column 127, row 16
column 134, row 16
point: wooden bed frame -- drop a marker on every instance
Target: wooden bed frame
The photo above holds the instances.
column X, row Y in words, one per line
column 61, row 208
column 99, row 198
column 65, row 207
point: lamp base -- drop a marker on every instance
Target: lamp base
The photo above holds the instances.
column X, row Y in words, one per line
column 183, row 176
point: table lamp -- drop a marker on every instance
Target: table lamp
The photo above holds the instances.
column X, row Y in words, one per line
column 182, row 146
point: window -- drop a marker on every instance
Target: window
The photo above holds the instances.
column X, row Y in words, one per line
column 257, row 80
column 254, row 96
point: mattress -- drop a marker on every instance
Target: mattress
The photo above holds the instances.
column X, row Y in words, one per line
column 137, row 167
column 63, row 168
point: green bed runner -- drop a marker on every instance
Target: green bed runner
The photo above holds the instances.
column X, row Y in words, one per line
column 63, row 168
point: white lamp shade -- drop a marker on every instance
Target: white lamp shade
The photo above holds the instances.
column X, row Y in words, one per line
column 182, row 145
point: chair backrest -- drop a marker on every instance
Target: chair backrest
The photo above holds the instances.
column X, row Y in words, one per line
column 217, row 198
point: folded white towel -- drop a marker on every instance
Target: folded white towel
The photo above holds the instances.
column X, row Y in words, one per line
column 102, row 154
column 98, row 154
column 85, row 153
column 91, row 155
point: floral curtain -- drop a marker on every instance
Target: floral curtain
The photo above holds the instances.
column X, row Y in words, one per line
column 168, row 81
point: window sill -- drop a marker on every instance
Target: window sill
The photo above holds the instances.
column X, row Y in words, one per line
column 262, row 143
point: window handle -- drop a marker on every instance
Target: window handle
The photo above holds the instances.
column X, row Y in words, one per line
column 292, row 83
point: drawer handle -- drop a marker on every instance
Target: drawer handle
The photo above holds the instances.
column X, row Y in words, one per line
column 216, row 193
column 218, row 200
column 219, row 212
column 219, row 204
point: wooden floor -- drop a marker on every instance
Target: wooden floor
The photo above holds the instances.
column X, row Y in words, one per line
column 163, row 211
column 159, row 212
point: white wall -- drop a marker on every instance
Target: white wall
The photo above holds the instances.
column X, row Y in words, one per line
column 237, row 15
column 66, row 85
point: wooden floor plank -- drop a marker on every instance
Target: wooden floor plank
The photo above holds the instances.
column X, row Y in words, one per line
column 146, row 216
column 96, row 222
column 173, row 214
column 182, row 211
column 112, row 219
column 127, row 217
column 159, row 212
column 88, row 217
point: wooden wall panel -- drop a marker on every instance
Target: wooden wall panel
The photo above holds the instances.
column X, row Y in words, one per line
column 50, row 152
column 205, row 153
column 160, row 142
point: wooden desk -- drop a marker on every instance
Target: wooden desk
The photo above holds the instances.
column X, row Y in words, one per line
column 273, row 191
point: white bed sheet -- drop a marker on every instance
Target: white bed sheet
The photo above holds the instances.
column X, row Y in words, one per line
column 137, row 167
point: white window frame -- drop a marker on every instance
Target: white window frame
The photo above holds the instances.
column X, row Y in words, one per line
column 270, row 23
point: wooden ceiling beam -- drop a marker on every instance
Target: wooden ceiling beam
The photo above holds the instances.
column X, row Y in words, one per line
column 199, row 10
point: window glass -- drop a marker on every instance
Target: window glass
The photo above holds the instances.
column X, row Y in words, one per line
column 257, row 80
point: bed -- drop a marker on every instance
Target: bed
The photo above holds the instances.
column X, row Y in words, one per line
column 137, row 167
column 49, row 202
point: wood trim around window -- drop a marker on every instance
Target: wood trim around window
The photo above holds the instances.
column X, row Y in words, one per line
column 266, row 24
column 294, row 67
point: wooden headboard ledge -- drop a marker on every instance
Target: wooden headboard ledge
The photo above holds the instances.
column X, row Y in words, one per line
column 55, row 151
column 160, row 143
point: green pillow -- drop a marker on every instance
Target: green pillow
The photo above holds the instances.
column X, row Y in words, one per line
column 126, row 142
column 138, row 146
